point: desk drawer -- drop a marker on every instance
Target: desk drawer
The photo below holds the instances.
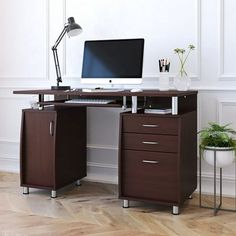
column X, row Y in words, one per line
column 150, row 124
column 150, row 142
column 149, row 175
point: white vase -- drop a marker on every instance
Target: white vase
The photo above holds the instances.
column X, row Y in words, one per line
column 223, row 158
column 182, row 82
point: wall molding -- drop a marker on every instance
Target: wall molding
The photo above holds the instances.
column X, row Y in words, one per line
column 222, row 103
column 194, row 77
column 9, row 164
column 229, row 184
column 222, row 75
column 46, row 77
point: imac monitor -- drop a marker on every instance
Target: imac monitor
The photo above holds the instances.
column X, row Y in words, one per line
column 113, row 61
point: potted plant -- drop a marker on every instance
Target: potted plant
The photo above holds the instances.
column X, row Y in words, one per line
column 218, row 138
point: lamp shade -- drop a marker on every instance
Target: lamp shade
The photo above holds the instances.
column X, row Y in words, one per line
column 73, row 29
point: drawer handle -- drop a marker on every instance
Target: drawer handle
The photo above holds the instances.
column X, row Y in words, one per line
column 150, row 162
column 150, row 143
column 51, row 128
column 151, row 126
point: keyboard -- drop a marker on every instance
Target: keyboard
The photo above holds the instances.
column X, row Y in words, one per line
column 90, row 101
column 101, row 90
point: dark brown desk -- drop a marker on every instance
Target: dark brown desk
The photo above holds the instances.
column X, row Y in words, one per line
column 157, row 153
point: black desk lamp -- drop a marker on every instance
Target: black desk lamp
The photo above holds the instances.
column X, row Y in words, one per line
column 72, row 29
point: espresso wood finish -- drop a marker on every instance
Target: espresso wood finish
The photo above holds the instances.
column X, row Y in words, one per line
column 157, row 153
column 150, row 142
column 158, row 156
column 150, row 176
column 53, row 147
column 152, row 125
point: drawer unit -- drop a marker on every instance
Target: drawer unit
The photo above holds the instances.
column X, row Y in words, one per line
column 150, row 142
column 158, row 158
column 150, row 176
column 148, row 124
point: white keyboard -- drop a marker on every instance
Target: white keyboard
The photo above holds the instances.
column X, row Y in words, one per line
column 101, row 90
column 90, row 101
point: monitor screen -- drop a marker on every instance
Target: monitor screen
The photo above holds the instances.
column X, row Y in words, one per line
column 109, row 60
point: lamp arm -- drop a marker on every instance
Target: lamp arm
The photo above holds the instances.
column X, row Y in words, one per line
column 57, row 66
column 55, row 54
column 60, row 37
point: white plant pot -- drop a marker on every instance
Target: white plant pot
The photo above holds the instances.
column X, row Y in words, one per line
column 223, row 158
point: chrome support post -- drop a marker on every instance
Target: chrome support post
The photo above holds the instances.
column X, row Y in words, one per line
column 126, row 204
column 124, row 107
column 134, row 104
column 174, row 105
column 53, row 194
column 190, row 197
column 25, row 190
column 78, row 183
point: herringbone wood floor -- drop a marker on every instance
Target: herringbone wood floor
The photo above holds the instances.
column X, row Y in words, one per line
column 93, row 209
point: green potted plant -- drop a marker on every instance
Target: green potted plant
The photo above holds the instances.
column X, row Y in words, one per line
column 218, row 138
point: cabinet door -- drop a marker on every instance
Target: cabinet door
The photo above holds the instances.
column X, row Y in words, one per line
column 37, row 155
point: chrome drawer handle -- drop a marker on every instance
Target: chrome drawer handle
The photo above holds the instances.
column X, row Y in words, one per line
column 150, row 162
column 151, row 126
column 51, row 128
column 150, row 143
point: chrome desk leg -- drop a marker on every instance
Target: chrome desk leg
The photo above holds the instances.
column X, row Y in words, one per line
column 175, row 210
column 126, row 204
column 174, row 105
column 134, row 104
column 53, row 194
column 124, row 107
column 78, row 183
column 25, row 190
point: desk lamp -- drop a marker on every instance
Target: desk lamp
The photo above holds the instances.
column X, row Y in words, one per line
column 72, row 29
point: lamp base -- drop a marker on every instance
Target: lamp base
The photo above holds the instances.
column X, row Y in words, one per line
column 60, row 87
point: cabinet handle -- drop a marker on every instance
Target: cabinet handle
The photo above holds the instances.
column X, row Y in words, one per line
column 150, row 162
column 51, row 128
column 150, row 143
column 150, row 126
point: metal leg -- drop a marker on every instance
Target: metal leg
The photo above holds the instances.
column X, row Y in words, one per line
column 124, row 103
column 174, row 105
column 175, row 210
column 134, row 104
column 53, row 194
column 126, row 204
column 215, row 208
column 190, row 197
column 25, row 190
column 78, row 183
column 220, row 187
column 200, row 176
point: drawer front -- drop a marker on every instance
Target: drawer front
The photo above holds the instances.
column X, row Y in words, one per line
column 150, row 125
column 149, row 175
column 150, row 142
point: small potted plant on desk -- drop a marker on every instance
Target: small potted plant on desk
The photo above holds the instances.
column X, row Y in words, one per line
column 217, row 139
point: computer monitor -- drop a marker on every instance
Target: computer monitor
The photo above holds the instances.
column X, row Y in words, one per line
column 117, row 61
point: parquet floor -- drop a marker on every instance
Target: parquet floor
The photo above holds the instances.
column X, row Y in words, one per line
column 93, row 209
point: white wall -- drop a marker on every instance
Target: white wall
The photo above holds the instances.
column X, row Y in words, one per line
column 26, row 62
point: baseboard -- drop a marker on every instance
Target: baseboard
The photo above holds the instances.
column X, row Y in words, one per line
column 228, row 185
column 9, row 165
column 108, row 173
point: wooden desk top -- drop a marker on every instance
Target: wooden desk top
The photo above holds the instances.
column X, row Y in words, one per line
column 79, row 92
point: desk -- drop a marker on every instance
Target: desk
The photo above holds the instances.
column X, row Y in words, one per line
column 157, row 153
